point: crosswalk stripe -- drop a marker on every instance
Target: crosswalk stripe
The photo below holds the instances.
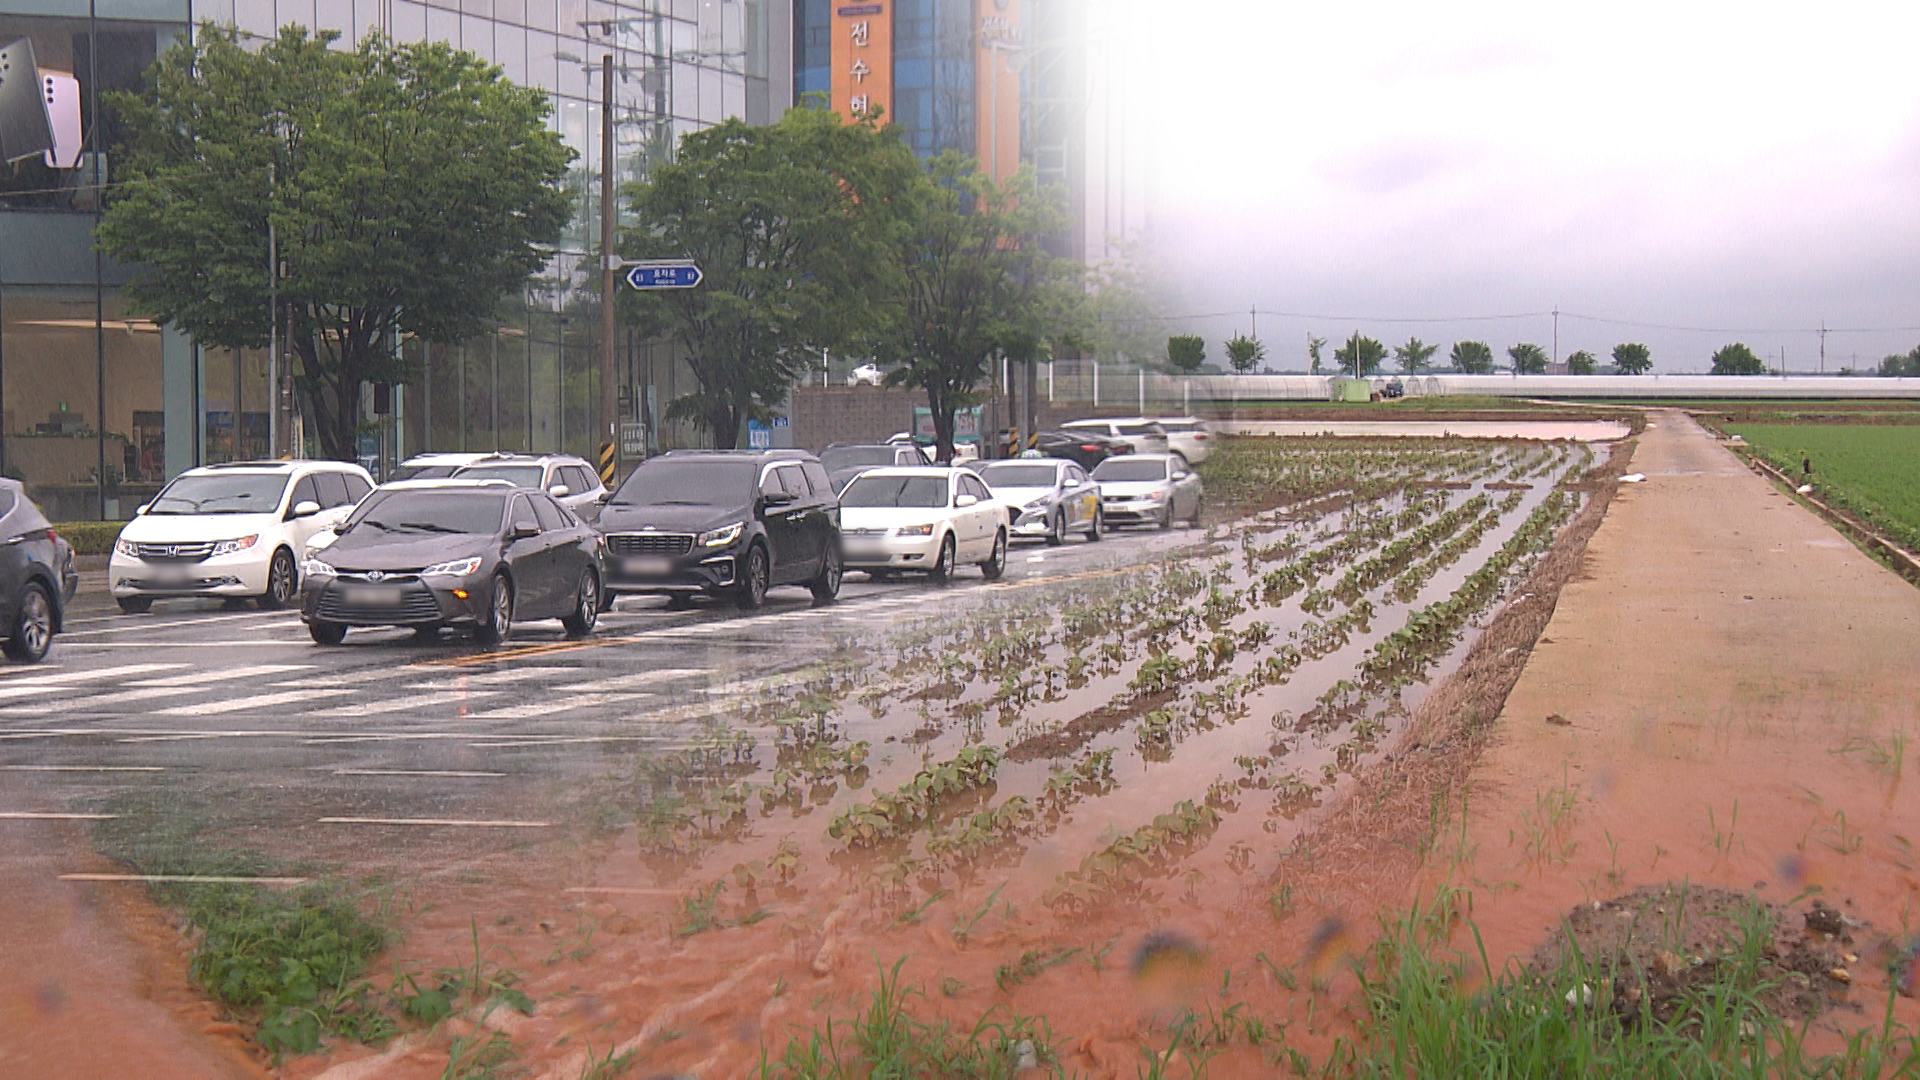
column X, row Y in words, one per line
column 624, row 682
column 197, row 678
column 401, row 704
column 39, row 684
column 547, row 708
column 257, row 701
column 494, row 678
column 96, row 701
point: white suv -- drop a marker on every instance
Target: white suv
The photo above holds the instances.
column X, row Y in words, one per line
column 235, row 530
column 1144, row 435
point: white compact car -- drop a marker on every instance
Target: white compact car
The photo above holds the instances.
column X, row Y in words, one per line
column 1051, row 497
column 1144, row 435
column 924, row 519
column 233, row 531
column 1189, row 436
column 1140, row 489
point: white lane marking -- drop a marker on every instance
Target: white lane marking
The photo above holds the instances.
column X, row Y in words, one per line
column 83, row 768
column 412, row 772
column 36, row 684
column 192, row 879
column 566, row 741
column 26, row 815
column 361, row 677
column 545, row 708
column 97, row 700
column 402, row 704
column 286, row 643
column 490, row 678
column 217, row 676
column 257, row 701
column 388, row 736
column 433, row 821
column 289, row 616
column 624, row 682
column 170, row 738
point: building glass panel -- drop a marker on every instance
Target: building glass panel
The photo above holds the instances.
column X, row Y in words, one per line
column 933, row 74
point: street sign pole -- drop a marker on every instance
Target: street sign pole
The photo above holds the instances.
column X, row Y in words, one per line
column 609, row 442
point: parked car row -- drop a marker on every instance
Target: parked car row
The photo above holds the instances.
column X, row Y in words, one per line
column 482, row 542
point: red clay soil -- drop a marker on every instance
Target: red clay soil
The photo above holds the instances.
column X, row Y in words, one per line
column 1720, row 697
column 93, row 986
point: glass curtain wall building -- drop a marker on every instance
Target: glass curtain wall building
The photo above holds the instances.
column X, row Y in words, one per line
column 99, row 408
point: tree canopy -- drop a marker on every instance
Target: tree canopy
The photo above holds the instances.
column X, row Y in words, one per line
column 1472, row 357
column 1632, row 358
column 1528, row 358
column 411, row 188
column 1737, row 359
column 1245, row 353
column 1414, row 354
column 1898, row 365
column 793, row 225
column 1360, row 355
column 1314, row 347
column 1582, row 362
column 969, row 282
column 1186, row 352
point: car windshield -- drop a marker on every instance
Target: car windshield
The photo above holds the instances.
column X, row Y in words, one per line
column 1124, row 469
column 1140, row 429
column 1178, row 427
column 665, row 482
column 523, row 475
column 222, row 493
column 423, row 472
column 448, row 511
column 1016, row 475
column 848, row 457
column 871, row 490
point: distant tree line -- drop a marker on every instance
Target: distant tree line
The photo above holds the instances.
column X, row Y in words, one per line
column 1187, row 353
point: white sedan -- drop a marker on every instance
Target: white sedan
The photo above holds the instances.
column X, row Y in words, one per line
column 922, row 519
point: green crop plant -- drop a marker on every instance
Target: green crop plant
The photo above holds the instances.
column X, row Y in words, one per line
column 895, row 814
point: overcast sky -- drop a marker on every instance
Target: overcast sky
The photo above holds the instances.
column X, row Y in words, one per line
column 1750, row 166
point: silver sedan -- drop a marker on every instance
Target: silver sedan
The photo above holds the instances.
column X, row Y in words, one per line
column 1148, row 489
column 1051, row 497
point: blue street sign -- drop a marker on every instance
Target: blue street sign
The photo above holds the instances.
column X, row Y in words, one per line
column 663, row 274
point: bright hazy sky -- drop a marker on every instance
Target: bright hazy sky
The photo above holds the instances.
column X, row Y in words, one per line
column 1749, row 166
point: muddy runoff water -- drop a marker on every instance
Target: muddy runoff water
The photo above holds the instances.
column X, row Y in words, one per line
column 1052, row 808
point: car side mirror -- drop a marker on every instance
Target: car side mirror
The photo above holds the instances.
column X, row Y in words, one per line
column 779, row 498
column 559, row 491
column 522, row 530
column 304, row 508
column 967, row 500
column 1181, row 475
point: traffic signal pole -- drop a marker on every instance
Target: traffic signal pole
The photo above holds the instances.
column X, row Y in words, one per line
column 609, row 447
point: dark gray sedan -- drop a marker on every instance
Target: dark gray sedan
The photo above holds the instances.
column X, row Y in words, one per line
column 477, row 555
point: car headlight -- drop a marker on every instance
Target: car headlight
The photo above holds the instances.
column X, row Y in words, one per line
column 914, row 530
column 314, row 568
column 127, row 548
column 456, row 568
column 228, row 547
column 1037, row 504
column 722, row 536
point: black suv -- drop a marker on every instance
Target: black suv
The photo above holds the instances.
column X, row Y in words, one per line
column 733, row 522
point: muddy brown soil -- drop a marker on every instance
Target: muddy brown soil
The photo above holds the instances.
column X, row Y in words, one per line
column 1739, row 686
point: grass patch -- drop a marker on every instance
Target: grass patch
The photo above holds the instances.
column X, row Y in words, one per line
column 1870, row 469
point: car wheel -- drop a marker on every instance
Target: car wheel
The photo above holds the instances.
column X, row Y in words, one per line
column 943, row 564
column 327, row 633
column 753, row 584
column 499, row 613
column 1099, row 522
column 283, row 579
column 997, row 565
column 32, row 632
column 586, row 606
column 136, row 605
column 827, row 585
column 1166, row 516
column 1057, row 532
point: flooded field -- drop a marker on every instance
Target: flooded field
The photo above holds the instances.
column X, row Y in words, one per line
column 1054, row 802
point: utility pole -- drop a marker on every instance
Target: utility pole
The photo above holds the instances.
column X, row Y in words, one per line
column 273, row 331
column 1253, row 312
column 609, row 437
column 1823, row 346
column 1556, row 333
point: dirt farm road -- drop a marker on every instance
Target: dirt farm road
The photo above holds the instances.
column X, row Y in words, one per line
column 1726, row 677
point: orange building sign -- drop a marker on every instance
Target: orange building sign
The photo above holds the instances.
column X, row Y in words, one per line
column 996, row 68
column 862, row 58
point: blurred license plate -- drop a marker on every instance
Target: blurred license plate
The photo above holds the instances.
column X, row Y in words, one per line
column 649, row 566
column 866, row 549
column 169, row 575
column 373, row 597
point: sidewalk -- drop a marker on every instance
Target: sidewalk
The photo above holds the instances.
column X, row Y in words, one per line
column 1725, row 664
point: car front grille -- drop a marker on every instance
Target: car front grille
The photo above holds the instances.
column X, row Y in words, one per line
column 387, row 577
column 416, row 605
column 627, row 545
column 173, row 553
column 863, row 532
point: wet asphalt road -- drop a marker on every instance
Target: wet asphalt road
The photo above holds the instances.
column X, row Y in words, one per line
column 231, row 728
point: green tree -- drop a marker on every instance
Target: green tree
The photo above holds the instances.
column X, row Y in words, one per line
column 1126, row 301
column 1897, row 365
column 1245, row 353
column 411, row 188
column 971, row 281
column 1528, row 358
column 1632, row 358
column 1314, row 346
column 1414, row 354
column 1360, row 355
column 1186, row 352
column 1581, row 363
column 1737, row 359
column 1471, row 357
column 793, row 225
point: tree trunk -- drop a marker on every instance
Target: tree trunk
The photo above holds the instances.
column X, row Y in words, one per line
column 938, row 403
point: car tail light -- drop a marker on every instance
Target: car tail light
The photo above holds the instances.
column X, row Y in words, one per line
column 1199, row 436
column 1088, row 447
